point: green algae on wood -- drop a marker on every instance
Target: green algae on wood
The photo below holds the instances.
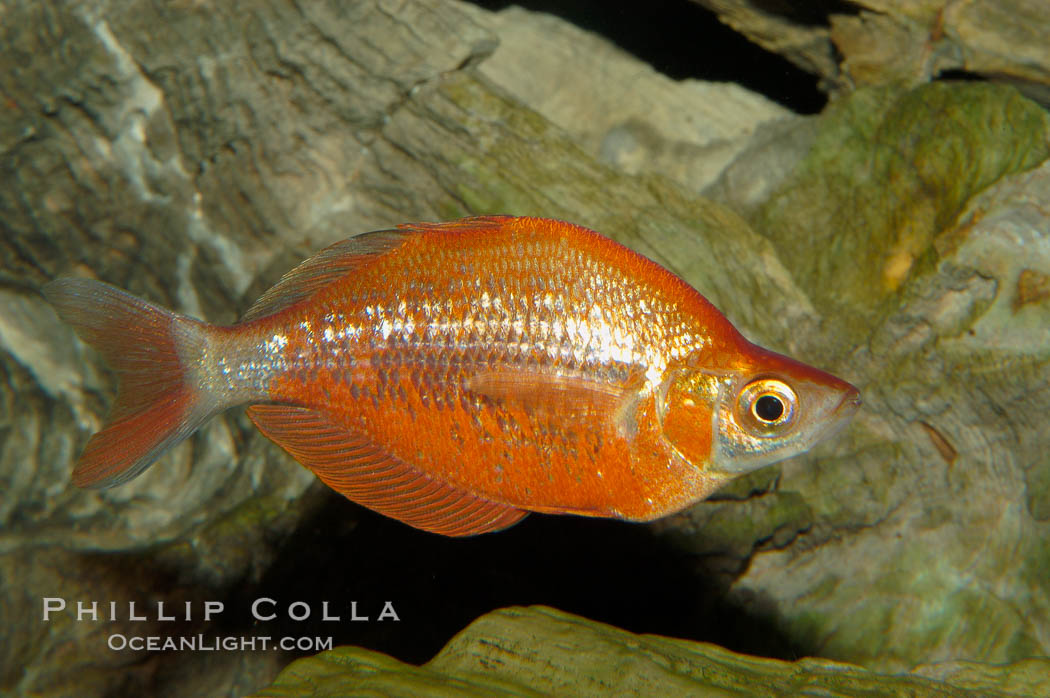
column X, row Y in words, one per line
column 537, row 651
column 887, row 173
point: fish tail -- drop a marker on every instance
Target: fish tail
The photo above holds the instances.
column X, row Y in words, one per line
column 157, row 405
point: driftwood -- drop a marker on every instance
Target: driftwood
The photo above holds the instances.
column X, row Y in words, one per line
column 883, row 42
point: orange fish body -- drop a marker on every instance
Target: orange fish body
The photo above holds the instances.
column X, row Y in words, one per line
column 457, row 376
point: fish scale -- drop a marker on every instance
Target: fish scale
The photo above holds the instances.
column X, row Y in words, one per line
column 501, row 307
column 457, row 376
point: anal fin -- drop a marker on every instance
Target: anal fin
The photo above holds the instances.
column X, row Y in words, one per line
column 351, row 465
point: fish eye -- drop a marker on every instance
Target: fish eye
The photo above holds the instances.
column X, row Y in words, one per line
column 767, row 406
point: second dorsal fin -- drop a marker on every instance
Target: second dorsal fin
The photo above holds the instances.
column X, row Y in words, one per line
column 328, row 265
column 335, row 261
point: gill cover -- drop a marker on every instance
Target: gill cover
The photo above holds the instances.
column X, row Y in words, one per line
column 688, row 409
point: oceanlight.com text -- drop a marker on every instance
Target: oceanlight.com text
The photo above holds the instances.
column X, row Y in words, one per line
column 206, row 643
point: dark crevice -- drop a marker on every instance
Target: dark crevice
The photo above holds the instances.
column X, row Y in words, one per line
column 613, row 572
column 684, row 40
column 808, row 14
column 959, row 75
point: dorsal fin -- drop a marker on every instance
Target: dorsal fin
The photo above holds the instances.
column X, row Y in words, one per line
column 328, row 265
column 559, row 393
column 351, row 465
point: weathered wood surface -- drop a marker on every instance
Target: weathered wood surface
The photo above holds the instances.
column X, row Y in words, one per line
column 882, row 42
column 537, row 651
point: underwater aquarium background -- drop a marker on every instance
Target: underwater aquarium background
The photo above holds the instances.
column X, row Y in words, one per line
column 862, row 185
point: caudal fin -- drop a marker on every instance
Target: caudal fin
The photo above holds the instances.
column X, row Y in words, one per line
column 146, row 346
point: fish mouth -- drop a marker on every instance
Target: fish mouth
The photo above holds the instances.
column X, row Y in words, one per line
column 849, row 403
column 840, row 414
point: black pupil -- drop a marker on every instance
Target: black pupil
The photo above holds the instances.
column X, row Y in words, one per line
column 769, row 408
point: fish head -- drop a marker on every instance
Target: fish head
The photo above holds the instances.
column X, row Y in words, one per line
column 761, row 408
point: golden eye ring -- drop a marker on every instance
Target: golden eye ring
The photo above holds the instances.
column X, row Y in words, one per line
column 767, row 406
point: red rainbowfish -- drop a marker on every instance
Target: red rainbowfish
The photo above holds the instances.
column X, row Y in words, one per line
column 457, row 376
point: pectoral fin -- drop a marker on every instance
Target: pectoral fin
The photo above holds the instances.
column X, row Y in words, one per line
column 560, row 394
